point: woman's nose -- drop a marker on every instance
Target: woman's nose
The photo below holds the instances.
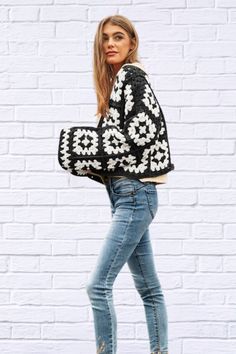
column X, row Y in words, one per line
column 110, row 42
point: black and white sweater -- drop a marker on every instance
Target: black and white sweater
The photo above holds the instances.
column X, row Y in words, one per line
column 130, row 141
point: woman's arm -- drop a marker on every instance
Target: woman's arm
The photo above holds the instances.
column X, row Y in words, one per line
column 142, row 112
column 141, row 126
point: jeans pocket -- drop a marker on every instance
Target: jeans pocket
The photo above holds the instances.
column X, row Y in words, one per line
column 122, row 187
column 152, row 199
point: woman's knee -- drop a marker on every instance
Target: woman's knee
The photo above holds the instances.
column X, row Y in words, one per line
column 94, row 288
column 90, row 288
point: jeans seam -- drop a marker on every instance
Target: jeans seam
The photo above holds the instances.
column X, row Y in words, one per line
column 149, row 207
column 118, row 249
column 155, row 311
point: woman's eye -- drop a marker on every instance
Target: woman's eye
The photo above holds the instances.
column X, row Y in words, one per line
column 116, row 37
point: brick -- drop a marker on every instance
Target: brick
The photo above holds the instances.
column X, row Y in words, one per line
column 200, row 3
column 24, row 331
column 29, row 13
column 27, row 31
column 200, row 16
column 63, row 13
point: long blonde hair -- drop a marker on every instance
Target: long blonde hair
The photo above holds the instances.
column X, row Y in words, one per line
column 103, row 73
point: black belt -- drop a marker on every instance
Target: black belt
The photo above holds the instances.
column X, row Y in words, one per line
column 106, row 178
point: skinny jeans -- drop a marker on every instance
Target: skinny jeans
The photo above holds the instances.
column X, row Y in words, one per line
column 134, row 205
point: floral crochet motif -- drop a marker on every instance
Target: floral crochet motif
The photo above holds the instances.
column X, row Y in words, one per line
column 130, row 141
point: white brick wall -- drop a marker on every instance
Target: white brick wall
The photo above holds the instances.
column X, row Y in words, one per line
column 51, row 227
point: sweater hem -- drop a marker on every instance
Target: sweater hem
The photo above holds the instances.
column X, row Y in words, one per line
column 98, row 177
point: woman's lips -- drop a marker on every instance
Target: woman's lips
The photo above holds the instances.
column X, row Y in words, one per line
column 110, row 54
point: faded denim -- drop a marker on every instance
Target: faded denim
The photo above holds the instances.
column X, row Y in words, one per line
column 133, row 206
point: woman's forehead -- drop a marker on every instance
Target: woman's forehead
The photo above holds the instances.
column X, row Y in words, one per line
column 113, row 29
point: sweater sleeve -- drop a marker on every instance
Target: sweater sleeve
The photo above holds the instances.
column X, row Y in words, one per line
column 91, row 148
column 141, row 113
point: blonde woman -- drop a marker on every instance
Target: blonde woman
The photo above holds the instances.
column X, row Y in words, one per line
column 129, row 153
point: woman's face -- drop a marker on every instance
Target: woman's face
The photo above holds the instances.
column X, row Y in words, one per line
column 116, row 40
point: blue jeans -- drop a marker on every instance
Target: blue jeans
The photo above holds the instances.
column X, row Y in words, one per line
column 133, row 207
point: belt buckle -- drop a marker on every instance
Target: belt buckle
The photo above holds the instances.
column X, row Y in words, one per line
column 105, row 179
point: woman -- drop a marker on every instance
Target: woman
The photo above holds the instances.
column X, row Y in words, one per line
column 134, row 205
column 129, row 153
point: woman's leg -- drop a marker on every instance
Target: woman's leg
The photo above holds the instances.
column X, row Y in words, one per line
column 131, row 217
column 141, row 265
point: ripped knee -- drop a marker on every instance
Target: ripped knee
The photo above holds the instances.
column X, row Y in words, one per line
column 101, row 347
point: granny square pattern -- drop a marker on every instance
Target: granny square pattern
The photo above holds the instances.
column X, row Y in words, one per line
column 131, row 140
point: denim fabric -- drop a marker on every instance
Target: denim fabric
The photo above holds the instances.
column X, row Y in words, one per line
column 133, row 206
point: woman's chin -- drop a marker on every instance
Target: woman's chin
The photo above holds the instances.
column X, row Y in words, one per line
column 110, row 61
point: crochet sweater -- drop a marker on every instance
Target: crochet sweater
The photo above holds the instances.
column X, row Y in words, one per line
column 157, row 179
column 130, row 141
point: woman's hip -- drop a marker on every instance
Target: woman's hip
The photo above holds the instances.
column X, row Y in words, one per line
column 129, row 193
